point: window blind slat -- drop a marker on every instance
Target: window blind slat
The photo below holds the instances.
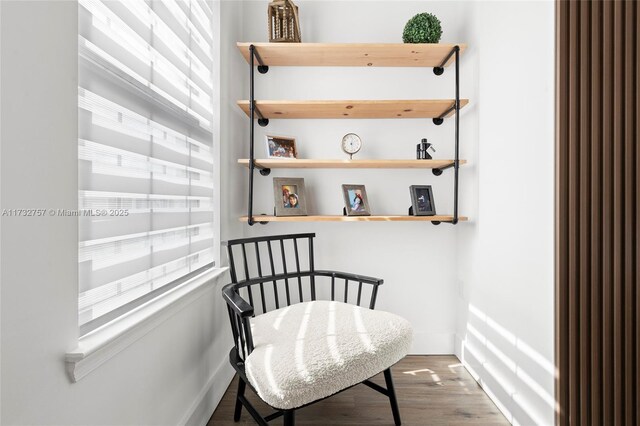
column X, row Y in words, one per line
column 145, row 151
column 114, row 117
column 114, row 67
column 131, row 44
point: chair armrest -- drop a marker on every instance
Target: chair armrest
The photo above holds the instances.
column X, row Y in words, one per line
column 237, row 303
column 351, row 277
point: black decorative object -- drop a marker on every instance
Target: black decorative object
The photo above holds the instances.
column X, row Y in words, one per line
column 422, row 28
column 422, row 150
column 246, row 296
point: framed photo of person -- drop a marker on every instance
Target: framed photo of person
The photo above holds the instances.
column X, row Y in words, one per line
column 281, row 147
column 422, row 200
column 289, row 197
column 355, row 200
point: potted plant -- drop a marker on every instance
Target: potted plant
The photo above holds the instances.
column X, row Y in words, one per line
column 422, row 28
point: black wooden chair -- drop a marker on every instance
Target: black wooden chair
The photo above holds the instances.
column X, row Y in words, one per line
column 279, row 279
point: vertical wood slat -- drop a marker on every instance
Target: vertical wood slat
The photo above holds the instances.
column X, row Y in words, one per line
column 583, row 195
column 574, row 153
column 561, row 184
column 607, row 232
column 637, row 215
column 617, row 118
column 629, row 251
column 597, row 212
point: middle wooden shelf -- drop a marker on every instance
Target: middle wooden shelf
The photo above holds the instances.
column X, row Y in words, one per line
column 275, row 163
column 421, row 108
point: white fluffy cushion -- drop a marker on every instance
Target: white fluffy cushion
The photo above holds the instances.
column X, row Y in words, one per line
column 311, row 350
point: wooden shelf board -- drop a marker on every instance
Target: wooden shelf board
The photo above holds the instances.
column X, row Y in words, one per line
column 274, row 163
column 351, row 54
column 353, row 108
column 336, row 218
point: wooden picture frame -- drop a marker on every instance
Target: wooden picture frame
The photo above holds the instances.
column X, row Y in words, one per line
column 356, row 202
column 289, row 196
column 281, row 147
column 422, row 200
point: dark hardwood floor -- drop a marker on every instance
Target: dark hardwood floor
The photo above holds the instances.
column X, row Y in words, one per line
column 431, row 390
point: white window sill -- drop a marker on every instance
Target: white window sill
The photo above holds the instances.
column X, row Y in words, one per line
column 99, row 346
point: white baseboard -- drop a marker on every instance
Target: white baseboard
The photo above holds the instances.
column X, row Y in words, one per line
column 210, row 395
column 432, row 344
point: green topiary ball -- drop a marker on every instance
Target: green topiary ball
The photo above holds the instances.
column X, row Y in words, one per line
column 422, row 28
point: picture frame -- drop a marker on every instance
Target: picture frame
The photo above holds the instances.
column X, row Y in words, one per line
column 281, row 147
column 422, row 200
column 355, row 200
column 289, row 195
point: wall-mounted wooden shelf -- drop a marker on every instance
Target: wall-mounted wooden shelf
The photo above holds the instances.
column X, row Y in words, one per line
column 261, row 56
column 336, row 218
column 355, row 108
column 351, row 54
column 269, row 163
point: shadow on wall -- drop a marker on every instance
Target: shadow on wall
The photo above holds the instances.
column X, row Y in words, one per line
column 502, row 363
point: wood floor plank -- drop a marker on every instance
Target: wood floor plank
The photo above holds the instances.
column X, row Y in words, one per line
column 431, row 390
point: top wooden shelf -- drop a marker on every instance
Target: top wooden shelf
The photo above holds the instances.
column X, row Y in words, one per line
column 351, row 54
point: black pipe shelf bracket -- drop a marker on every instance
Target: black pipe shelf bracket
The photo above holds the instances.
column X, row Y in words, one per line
column 264, row 171
column 262, row 68
column 252, row 116
column 456, row 161
column 439, row 70
column 439, row 120
column 438, row 171
column 262, row 121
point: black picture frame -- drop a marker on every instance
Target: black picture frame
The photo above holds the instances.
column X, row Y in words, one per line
column 422, row 200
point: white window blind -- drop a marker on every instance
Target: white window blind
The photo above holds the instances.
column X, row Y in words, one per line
column 145, row 151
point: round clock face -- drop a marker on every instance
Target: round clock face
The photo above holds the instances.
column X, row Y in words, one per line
column 351, row 143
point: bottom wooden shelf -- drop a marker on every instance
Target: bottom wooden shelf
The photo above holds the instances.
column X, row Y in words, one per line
column 336, row 218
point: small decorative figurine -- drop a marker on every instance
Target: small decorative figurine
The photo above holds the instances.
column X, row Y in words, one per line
column 284, row 25
column 422, row 150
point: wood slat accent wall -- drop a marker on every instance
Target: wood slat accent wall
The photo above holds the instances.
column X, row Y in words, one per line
column 597, row 212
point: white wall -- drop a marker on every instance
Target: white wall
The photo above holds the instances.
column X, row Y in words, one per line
column 505, row 261
column 172, row 375
column 417, row 260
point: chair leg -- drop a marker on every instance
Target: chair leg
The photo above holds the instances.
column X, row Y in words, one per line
column 241, row 387
column 392, row 397
column 289, row 418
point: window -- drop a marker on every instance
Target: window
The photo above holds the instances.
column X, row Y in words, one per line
column 145, row 151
